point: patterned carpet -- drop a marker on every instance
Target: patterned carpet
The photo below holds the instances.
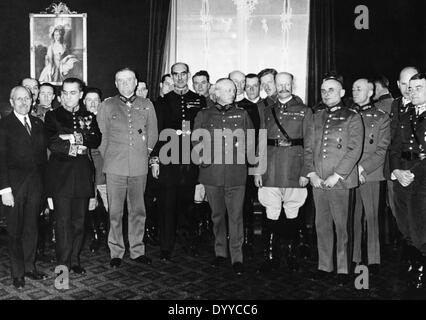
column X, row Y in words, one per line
column 194, row 279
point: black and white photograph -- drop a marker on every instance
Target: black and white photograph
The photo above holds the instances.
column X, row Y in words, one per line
column 222, row 158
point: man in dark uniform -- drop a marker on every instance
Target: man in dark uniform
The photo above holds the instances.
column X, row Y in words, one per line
column 176, row 112
column 252, row 109
column 382, row 97
column 370, row 170
column 224, row 178
column 417, row 203
column 71, row 130
column 403, row 147
column 333, row 150
column 22, row 164
column 283, row 185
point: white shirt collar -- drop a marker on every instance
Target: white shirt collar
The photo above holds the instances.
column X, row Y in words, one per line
column 420, row 109
column 255, row 100
column 21, row 118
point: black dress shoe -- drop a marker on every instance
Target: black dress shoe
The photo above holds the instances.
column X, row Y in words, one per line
column 218, row 261
column 19, row 283
column 164, row 256
column 238, row 268
column 143, row 259
column 36, row 275
column 78, row 270
column 343, row 279
column 115, row 262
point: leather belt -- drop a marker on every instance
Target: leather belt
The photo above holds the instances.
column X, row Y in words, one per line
column 409, row 155
column 285, row 142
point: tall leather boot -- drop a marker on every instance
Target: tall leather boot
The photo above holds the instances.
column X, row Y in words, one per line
column 292, row 235
column 95, row 233
column 271, row 248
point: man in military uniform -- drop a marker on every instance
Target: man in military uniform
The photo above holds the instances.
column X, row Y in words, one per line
column 417, row 182
column 402, row 152
column 333, row 150
column 129, row 132
column 370, row 171
column 239, row 80
column 283, row 185
column 225, row 179
column 382, row 97
column 71, row 131
column 177, row 111
column 267, row 82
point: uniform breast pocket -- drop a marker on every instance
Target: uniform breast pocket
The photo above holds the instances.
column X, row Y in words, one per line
column 115, row 121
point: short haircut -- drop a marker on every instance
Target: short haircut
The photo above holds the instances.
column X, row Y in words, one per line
column 47, row 84
column 419, row 76
column 12, row 92
column 382, row 80
column 73, row 80
column 93, row 90
column 265, row 72
column 225, row 79
column 163, row 78
column 175, row 64
column 202, row 73
column 252, row 76
column 333, row 75
column 22, row 81
column 286, row 73
column 125, row 69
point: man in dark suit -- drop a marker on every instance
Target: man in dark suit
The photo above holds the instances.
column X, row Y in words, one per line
column 402, row 155
column 22, row 160
column 71, row 130
column 176, row 112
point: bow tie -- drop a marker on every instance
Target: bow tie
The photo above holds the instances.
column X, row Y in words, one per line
column 128, row 100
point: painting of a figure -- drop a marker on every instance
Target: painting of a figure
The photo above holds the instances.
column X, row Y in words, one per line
column 58, row 47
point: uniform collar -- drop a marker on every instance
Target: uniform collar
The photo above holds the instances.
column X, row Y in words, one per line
column 420, row 109
column 405, row 101
column 334, row 108
column 131, row 99
column 181, row 92
column 366, row 107
column 223, row 108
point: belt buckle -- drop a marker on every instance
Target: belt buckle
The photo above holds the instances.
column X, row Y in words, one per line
column 284, row 143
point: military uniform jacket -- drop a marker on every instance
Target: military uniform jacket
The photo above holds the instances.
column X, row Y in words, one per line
column 177, row 112
column 129, row 131
column 402, row 136
column 215, row 171
column 384, row 103
column 68, row 174
column 335, row 145
column 376, row 141
column 419, row 128
column 285, row 165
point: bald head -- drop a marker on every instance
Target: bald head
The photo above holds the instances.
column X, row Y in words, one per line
column 362, row 91
column 404, row 79
column 239, row 79
column 225, row 90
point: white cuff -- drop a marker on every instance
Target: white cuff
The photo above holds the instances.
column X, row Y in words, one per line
column 340, row 177
column 5, row 190
column 310, row 174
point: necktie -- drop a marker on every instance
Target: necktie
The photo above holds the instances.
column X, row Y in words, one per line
column 27, row 126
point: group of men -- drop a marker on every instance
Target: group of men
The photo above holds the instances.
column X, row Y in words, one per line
column 269, row 149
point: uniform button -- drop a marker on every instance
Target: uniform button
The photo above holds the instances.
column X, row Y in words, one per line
column 328, row 120
column 326, row 132
column 325, row 150
column 325, row 144
column 340, row 129
column 411, row 148
column 223, row 120
column 130, row 127
column 411, row 141
column 325, row 138
column 130, row 144
column 130, row 132
column 327, row 126
column 75, row 127
column 324, row 156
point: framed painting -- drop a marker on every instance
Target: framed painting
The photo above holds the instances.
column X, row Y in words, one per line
column 58, row 45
